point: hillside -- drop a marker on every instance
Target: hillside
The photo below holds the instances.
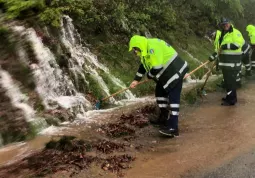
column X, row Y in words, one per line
column 58, row 57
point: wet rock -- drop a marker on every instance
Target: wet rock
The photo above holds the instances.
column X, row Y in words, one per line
column 51, row 120
column 63, row 61
column 61, row 114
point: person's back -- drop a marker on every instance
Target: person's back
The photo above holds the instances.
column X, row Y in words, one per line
column 162, row 49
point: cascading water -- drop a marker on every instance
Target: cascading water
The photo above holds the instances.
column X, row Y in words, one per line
column 191, row 56
column 52, row 84
column 82, row 58
column 189, row 80
column 18, row 99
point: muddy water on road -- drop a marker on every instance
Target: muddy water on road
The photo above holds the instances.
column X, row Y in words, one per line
column 16, row 151
column 210, row 135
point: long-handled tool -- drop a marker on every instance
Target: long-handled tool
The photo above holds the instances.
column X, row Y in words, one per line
column 187, row 75
column 202, row 92
column 98, row 103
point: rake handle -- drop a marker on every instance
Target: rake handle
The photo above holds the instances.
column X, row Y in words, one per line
column 208, row 75
column 196, row 69
column 120, row 91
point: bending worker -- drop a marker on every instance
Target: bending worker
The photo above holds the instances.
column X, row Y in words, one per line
column 162, row 64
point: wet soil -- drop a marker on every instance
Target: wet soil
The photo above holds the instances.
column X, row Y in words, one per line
column 121, row 146
column 76, row 154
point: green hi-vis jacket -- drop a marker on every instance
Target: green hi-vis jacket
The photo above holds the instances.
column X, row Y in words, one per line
column 251, row 32
column 159, row 60
column 216, row 46
column 216, row 41
column 230, row 43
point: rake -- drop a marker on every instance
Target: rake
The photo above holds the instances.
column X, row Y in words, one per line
column 201, row 92
column 98, row 102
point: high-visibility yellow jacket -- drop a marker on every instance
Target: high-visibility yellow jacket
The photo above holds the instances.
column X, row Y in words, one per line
column 159, row 60
column 251, row 32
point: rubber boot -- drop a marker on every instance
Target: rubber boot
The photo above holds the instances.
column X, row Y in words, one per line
column 171, row 130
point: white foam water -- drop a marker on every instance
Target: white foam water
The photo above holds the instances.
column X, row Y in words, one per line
column 82, row 58
column 18, row 99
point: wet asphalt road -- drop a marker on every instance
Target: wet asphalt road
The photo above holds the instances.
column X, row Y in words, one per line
column 214, row 142
column 240, row 167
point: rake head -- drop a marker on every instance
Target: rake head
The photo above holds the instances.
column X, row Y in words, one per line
column 98, row 104
column 201, row 92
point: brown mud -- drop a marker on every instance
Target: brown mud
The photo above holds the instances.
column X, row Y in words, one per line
column 127, row 146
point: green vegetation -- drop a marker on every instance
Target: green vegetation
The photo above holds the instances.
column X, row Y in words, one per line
column 15, row 136
column 48, row 11
column 108, row 16
column 108, row 25
column 112, row 87
column 21, row 8
column 94, row 87
column 191, row 96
